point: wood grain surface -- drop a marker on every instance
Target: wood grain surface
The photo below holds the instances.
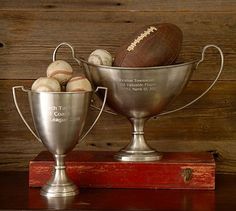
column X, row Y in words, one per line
column 30, row 30
column 121, row 5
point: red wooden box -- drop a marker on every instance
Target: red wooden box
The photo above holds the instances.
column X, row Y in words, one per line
column 98, row 169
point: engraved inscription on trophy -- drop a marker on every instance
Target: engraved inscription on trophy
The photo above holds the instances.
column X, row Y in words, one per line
column 138, row 85
column 59, row 113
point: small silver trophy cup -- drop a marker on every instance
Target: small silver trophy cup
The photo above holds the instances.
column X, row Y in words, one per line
column 142, row 93
column 59, row 119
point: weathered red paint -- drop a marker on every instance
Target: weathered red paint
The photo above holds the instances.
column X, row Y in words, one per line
column 98, row 169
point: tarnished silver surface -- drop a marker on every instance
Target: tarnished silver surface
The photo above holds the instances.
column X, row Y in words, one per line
column 141, row 93
column 59, row 118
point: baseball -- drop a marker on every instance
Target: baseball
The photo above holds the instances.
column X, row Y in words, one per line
column 44, row 84
column 79, row 83
column 60, row 70
column 100, row 57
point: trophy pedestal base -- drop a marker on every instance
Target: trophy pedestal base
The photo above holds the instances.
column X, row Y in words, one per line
column 63, row 190
column 144, row 156
column 99, row 169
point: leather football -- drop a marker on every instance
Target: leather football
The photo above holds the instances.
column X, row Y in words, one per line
column 152, row 45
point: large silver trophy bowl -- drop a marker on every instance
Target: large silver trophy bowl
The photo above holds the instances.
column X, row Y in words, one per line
column 142, row 93
column 59, row 119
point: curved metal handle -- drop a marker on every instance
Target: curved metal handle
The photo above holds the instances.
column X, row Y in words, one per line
column 72, row 51
column 208, row 89
column 19, row 111
column 78, row 61
column 99, row 114
column 106, row 111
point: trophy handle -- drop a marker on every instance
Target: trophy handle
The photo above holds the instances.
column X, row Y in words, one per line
column 99, row 114
column 19, row 111
column 208, row 89
column 106, row 111
column 79, row 63
column 72, row 51
column 104, row 88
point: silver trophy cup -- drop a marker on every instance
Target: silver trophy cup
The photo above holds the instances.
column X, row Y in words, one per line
column 59, row 119
column 142, row 93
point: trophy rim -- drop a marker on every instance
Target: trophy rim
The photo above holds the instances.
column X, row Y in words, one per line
column 141, row 68
column 65, row 93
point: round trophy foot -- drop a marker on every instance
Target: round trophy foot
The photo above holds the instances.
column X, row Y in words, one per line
column 138, row 156
column 57, row 190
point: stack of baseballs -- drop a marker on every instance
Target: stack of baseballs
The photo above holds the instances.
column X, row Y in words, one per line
column 60, row 78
